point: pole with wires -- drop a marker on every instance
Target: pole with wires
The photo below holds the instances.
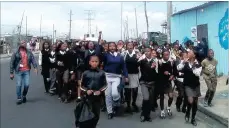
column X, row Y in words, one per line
column 136, row 21
column 169, row 13
column 147, row 23
column 121, row 20
column 70, row 24
column 53, row 32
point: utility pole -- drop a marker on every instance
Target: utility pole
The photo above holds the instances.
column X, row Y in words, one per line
column 96, row 30
column 89, row 19
column 26, row 27
column 20, row 26
column 70, row 24
column 124, row 33
column 147, row 23
column 40, row 25
column 169, row 14
column 136, row 23
column 127, row 29
column 121, row 20
column 53, row 34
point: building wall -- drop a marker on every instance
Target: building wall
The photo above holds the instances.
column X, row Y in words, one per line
column 216, row 17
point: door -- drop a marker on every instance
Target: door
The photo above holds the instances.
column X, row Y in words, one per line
column 202, row 33
column 202, row 36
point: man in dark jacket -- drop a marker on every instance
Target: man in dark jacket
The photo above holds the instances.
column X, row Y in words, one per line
column 20, row 63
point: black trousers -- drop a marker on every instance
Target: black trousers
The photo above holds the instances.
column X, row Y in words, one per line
column 96, row 103
column 45, row 73
column 62, row 86
column 147, row 89
column 180, row 89
column 131, row 92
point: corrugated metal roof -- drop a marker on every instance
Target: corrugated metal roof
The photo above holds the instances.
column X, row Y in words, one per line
column 195, row 8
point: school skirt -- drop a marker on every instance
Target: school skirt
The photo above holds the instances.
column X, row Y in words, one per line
column 192, row 92
column 133, row 81
column 164, row 87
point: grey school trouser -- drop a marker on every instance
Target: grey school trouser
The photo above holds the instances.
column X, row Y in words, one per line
column 112, row 93
column 52, row 79
column 147, row 89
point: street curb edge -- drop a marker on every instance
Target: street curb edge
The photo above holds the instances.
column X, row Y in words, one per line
column 220, row 119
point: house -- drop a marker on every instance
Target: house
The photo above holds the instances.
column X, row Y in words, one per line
column 207, row 21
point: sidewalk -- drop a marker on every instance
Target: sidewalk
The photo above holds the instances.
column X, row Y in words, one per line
column 219, row 110
column 7, row 56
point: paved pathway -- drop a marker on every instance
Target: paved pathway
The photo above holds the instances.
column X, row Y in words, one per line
column 220, row 109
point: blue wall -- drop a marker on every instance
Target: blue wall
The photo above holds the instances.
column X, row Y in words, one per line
column 216, row 17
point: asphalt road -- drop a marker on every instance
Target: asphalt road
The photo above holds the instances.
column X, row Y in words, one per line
column 44, row 111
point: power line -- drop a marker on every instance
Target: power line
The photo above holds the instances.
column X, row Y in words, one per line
column 89, row 19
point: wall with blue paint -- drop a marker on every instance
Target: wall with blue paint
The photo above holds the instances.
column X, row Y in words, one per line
column 216, row 17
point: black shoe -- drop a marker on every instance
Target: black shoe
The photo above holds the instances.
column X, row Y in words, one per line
column 24, row 100
column 66, row 100
column 205, row 104
column 103, row 109
column 110, row 116
column 187, row 116
column 115, row 110
column 62, row 99
column 148, row 119
column 19, row 101
column 193, row 122
column 178, row 109
column 77, row 124
column 184, row 110
column 156, row 106
column 51, row 93
column 153, row 109
column 143, row 119
column 128, row 110
column 122, row 101
column 210, row 104
column 135, row 107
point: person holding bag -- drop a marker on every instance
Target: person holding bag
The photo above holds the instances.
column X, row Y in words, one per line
column 93, row 83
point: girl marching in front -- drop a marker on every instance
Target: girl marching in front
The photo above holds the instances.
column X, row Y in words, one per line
column 148, row 68
column 131, row 59
column 114, row 66
column 62, row 71
column 192, row 70
column 166, row 73
column 93, row 83
column 45, row 64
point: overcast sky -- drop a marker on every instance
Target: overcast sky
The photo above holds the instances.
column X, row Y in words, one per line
column 107, row 16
